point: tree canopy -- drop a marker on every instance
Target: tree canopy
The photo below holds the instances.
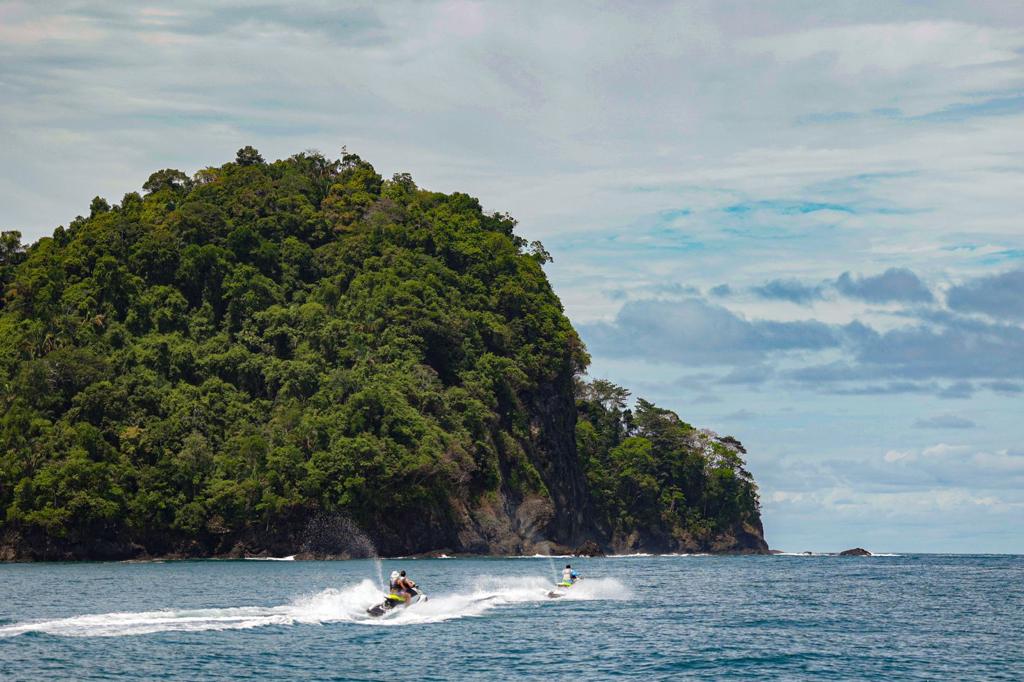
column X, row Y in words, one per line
column 653, row 475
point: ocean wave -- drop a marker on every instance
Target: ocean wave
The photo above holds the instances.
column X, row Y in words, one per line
column 629, row 556
column 802, row 554
column 687, row 555
column 640, row 555
column 345, row 605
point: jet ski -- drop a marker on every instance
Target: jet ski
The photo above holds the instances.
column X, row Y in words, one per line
column 561, row 589
column 397, row 601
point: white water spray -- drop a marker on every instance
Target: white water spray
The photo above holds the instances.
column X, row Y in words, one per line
column 331, row 606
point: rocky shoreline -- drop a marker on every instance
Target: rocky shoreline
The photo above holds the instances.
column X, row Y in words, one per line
column 15, row 549
column 12, row 555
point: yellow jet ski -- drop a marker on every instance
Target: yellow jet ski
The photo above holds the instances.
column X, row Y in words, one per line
column 561, row 589
column 393, row 601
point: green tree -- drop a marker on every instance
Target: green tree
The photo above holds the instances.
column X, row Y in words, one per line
column 169, row 179
column 248, row 156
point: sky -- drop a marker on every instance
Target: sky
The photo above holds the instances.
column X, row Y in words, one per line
column 798, row 223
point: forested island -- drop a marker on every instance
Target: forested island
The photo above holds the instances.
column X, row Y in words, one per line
column 303, row 357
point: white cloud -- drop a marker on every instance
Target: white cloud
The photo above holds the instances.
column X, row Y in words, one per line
column 899, row 455
column 944, row 450
column 898, row 46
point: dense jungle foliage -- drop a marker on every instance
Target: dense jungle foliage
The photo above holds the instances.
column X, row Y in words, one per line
column 261, row 342
column 652, row 474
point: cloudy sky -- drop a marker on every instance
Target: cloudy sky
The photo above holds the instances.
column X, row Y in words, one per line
column 799, row 223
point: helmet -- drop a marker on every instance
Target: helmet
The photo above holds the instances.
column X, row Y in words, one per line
column 394, row 575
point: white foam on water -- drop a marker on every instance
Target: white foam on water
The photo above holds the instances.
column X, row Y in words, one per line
column 145, row 622
column 802, row 554
column 346, row 605
column 591, row 589
column 270, row 558
column 684, row 554
column 628, row 556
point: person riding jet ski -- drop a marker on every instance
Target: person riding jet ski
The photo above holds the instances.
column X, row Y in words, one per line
column 404, row 586
column 403, row 592
column 569, row 578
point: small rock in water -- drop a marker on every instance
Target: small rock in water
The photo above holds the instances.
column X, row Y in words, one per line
column 856, row 551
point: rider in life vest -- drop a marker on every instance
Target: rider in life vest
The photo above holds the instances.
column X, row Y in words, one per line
column 569, row 576
column 393, row 583
column 401, row 586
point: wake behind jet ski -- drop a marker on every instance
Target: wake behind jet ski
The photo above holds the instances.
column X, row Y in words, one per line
column 404, row 593
column 569, row 578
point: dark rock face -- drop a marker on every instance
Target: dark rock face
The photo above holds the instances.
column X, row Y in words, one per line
column 746, row 538
column 506, row 523
column 559, row 466
column 37, row 547
column 743, row 538
column 856, row 551
column 589, row 548
column 510, row 522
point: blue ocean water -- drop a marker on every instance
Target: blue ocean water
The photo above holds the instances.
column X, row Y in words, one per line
column 654, row 617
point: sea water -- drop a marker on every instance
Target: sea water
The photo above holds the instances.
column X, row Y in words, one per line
column 653, row 617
